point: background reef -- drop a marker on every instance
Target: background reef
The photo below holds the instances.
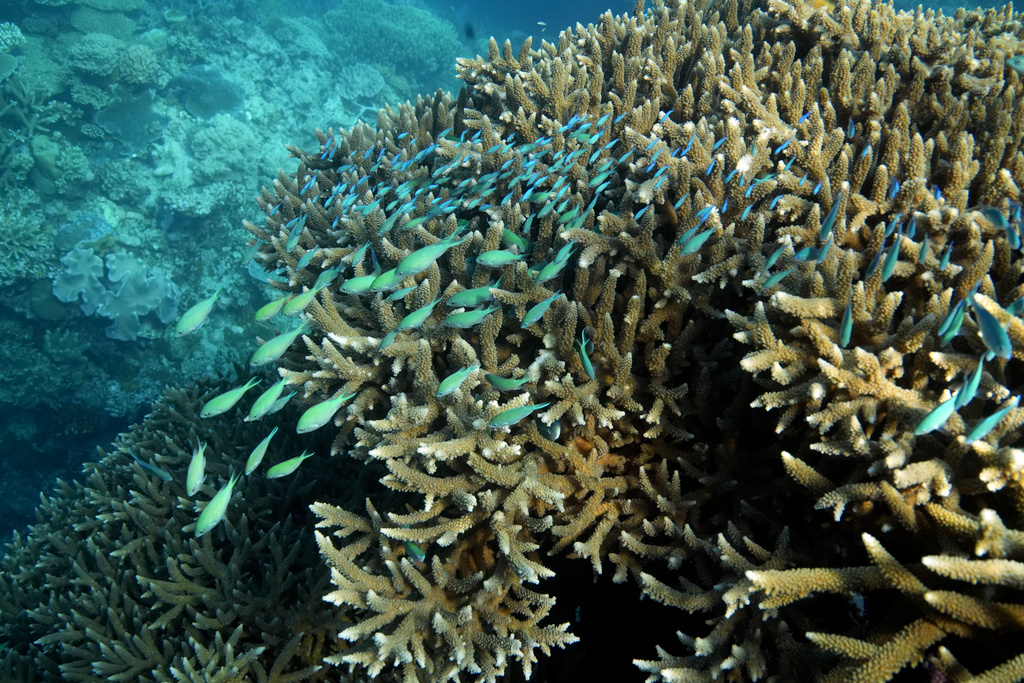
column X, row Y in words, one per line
column 755, row 272
column 136, row 133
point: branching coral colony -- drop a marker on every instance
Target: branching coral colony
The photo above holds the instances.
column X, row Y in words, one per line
column 722, row 300
column 702, row 213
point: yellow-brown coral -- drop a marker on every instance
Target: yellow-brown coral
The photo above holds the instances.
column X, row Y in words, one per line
column 745, row 210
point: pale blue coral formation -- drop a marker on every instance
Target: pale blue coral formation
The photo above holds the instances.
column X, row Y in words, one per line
column 125, row 294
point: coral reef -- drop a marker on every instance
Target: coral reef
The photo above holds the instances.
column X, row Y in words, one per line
column 111, row 585
column 718, row 300
column 708, row 212
column 412, row 40
column 10, row 37
column 126, row 292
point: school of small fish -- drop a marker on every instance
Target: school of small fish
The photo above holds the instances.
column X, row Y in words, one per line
column 453, row 188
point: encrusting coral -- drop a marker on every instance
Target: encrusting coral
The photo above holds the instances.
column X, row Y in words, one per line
column 722, row 299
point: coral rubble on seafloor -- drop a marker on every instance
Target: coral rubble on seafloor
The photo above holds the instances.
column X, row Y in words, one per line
column 754, row 272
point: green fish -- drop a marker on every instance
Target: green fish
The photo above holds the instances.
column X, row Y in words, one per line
column 988, row 424
column 453, row 381
column 297, row 304
column 507, row 418
column 357, row 285
column 470, row 298
column 551, row 432
column 510, row 239
column 581, row 346
column 280, row 403
column 414, row 551
column 566, row 252
column 213, row 513
column 846, row 326
column 256, row 457
column 320, row 414
column 505, row 384
column 566, row 217
column 422, row 258
column 306, row 258
column 268, row 311
column 696, row 242
column 498, row 258
column 550, row 271
column 937, row 417
column 196, row 474
column 261, row 406
column 356, row 257
column 194, row 317
column 153, row 469
column 401, row 293
column 387, row 280
column 283, row 469
column 413, row 222
column 327, row 277
column 537, row 311
column 417, row 317
column 467, row 319
column 275, row 347
column 227, row 400
column 1017, row 64
column 388, row 338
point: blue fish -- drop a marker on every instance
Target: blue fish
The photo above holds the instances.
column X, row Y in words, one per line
column 830, row 219
column 891, row 228
column 982, row 429
column 970, row 387
column 846, row 326
column 944, row 258
column 992, row 332
column 923, row 253
column 936, row 417
column 891, row 258
column 894, row 188
column 774, row 257
column 775, row 279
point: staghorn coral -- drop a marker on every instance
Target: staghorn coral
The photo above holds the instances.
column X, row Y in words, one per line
column 749, row 224
column 110, row 584
column 710, row 188
column 10, row 37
